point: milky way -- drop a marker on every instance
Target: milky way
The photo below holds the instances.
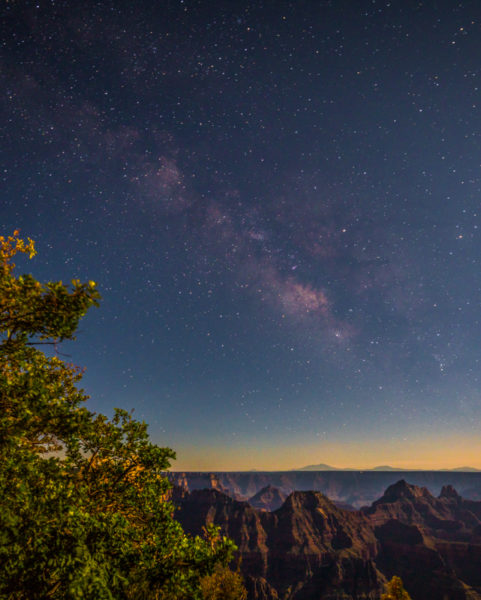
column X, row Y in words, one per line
column 280, row 203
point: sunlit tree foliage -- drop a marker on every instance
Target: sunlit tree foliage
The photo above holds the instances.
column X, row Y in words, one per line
column 395, row 590
column 83, row 512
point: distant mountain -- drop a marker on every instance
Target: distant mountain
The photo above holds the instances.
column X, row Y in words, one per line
column 323, row 467
column 320, row 467
column 464, row 470
column 386, row 468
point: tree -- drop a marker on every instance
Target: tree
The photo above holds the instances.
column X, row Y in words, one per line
column 83, row 508
column 395, row 590
column 223, row 584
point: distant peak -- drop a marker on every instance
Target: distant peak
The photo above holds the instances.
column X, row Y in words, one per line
column 466, row 470
column 268, row 498
column 448, row 491
column 319, row 467
column 268, row 489
column 400, row 486
column 386, row 468
column 307, row 499
column 402, row 489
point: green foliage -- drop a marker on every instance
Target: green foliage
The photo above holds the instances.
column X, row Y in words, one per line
column 223, row 584
column 83, row 508
column 395, row 590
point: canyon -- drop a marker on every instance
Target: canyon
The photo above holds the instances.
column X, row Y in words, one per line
column 350, row 488
column 300, row 545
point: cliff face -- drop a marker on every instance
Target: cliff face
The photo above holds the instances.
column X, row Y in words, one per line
column 432, row 543
column 238, row 520
column 448, row 516
column 309, row 548
column 320, row 550
column 306, row 548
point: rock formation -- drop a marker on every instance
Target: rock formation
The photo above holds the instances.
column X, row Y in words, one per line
column 309, row 548
column 268, row 498
column 354, row 488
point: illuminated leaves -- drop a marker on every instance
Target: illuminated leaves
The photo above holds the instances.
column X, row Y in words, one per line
column 11, row 246
column 82, row 497
column 223, row 584
column 395, row 590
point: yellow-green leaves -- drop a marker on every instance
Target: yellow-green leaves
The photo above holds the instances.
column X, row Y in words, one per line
column 82, row 497
column 35, row 311
column 223, row 584
column 395, row 590
column 13, row 245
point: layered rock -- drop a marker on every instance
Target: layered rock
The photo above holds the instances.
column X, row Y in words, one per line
column 309, row 548
column 433, row 544
column 354, row 488
column 305, row 548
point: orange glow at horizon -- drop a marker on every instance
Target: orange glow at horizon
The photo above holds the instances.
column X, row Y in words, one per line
column 428, row 453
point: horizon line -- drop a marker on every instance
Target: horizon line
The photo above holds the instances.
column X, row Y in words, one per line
column 331, row 469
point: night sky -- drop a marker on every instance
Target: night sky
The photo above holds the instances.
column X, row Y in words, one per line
column 280, row 203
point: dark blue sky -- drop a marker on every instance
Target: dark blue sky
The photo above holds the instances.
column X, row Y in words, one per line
column 280, row 203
